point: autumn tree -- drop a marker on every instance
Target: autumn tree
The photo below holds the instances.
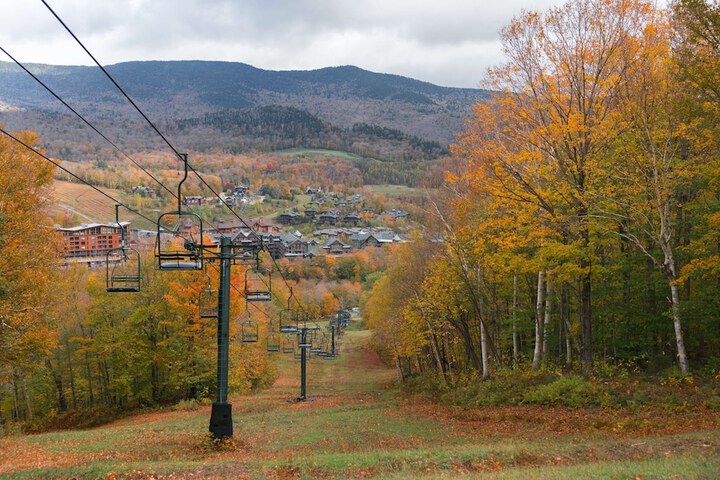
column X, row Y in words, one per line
column 539, row 142
column 29, row 254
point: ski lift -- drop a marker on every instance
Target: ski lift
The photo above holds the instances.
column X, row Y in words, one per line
column 288, row 321
column 256, row 288
column 273, row 341
column 319, row 347
column 249, row 332
column 125, row 273
column 184, row 251
column 307, row 343
column 288, row 345
column 208, row 303
column 289, row 317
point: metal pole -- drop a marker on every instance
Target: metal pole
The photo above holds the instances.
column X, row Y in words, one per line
column 332, row 340
column 221, row 416
column 303, row 363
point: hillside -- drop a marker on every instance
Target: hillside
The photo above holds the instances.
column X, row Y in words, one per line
column 234, row 106
column 359, row 427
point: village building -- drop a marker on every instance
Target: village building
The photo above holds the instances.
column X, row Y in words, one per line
column 334, row 246
column 91, row 240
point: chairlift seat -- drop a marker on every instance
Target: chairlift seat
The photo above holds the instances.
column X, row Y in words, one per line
column 249, row 331
column 258, row 296
column 125, row 273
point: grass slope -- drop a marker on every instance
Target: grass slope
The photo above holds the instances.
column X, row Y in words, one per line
column 91, row 206
column 359, row 427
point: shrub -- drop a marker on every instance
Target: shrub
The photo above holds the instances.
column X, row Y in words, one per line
column 571, row 391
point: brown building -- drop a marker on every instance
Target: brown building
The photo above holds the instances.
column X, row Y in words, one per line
column 92, row 240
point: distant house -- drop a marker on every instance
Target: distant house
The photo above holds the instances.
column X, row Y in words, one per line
column 298, row 248
column 335, row 247
column 289, row 218
column 263, row 226
column 396, row 214
column 91, row 240
column 241, row 189
column 274, row 246
column 311, row 213
column 352, row 219
column 328, row 217
column 194, row 201
column 313, row 191
column 377, row 239
column 248, row 240
column 144, row 191
column 230, row 227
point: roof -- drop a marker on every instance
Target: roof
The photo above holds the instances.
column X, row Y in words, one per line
column 335, row 240
column 86, row 226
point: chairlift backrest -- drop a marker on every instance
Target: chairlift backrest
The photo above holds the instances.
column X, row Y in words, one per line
column 124, row 274
column 184, row 250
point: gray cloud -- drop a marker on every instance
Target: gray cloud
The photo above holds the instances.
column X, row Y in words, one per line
column 449, row 42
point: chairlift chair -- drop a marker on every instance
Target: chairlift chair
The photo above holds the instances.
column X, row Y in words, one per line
column 256, row 288
column 249, row 331
column 306, row 344
column 125, row 273
column 208, row 303
column 288, row 345
column 184, row 251
column 273, row 342
column 288, row 321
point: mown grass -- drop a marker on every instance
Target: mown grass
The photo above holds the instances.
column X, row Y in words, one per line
column 358, row 426
column 393, row 190
column 297, row 152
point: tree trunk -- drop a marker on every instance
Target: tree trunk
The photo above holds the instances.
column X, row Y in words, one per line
column 548, row 316
column 537, row 355
column 57, row 379
column 586, row 319
column 72, row 376
column 679, row 339
column 400, row 376
column 484, row 352
column 516, row 338
column 26, row 393
column 670, row 269
column 16, row 401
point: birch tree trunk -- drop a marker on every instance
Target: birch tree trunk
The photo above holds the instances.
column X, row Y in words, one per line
column 548, row 316
column 484, row 352
column 537, row 355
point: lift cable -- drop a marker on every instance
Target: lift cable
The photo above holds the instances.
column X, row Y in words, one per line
column 257, row 307
column 51, row 92
column 152, row 125
column 118, row 202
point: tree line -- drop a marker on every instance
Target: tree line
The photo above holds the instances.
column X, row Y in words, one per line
column 579, row 220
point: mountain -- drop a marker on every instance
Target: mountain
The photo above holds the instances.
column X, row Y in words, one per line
column 234, row 106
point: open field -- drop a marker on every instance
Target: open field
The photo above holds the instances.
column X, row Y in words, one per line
column 393, row 190
column 90, row 205
column 358, row 426
column 298, row 152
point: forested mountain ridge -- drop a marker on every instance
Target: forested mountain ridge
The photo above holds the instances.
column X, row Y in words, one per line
column 178, row 94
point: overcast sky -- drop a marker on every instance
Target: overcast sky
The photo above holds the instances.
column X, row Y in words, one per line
column 446, row 42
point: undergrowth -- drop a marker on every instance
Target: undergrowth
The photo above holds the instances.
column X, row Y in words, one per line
column 555, row 388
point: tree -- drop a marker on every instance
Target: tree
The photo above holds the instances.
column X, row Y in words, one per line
column 539, row 142
column 29, row 254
